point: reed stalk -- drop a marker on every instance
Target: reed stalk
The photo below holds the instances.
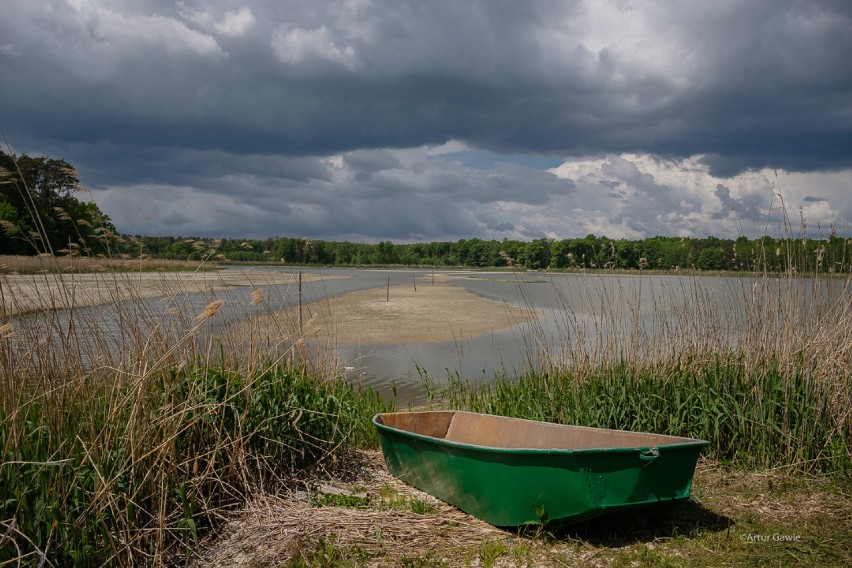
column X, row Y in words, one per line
column 129, row 427
column 757, row 365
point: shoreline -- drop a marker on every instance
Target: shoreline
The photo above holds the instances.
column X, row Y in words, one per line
column 401, row 314
column 27, row 293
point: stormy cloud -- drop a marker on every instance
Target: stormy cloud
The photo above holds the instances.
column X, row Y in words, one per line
column 370, row 120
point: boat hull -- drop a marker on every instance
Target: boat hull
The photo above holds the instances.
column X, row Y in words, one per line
column 512, row 472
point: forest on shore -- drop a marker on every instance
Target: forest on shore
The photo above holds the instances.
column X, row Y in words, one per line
column 40, row 212
column 590, row 252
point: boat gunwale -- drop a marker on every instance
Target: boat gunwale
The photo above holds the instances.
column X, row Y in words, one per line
column 689, row 443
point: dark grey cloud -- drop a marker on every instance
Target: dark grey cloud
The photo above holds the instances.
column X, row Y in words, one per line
column 312, row 114
column 723, row 194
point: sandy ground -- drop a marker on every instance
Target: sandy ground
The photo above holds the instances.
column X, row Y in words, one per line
column 22, row 293
column 433, row 312
column 442, row 312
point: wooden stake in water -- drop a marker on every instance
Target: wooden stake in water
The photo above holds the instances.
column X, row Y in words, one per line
column 413, row 279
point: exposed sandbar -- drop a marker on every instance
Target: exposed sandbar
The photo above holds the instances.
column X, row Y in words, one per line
column 430, row 314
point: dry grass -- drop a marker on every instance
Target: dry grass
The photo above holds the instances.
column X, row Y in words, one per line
column 77, row 325
column 276, row 529
column 130, row 417
column 291, row 528
column 648, row 320
column 46, row 263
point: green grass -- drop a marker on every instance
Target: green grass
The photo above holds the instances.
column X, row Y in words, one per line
column 131, row 452
column 755, row 416
column 735, row 517
column 103, row 473
column 387, row 499
column 334, row 500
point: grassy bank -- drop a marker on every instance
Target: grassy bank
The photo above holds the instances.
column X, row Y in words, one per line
column 132, row 473
column 735, row 518
column 46, row 263
column 129, row 433
column 128, row 429
column 754, row 416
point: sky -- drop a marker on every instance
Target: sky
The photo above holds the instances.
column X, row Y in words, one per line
column 411, row 121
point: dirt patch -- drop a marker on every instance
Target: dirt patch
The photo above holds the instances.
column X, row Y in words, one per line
column 403, row 315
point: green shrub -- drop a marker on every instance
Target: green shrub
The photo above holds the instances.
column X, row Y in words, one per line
column 129, row 474
column 754, row 416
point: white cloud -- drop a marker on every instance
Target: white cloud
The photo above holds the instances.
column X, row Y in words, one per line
column 427, row 194
column 295, row 45
column 449, row 147
column 111, row 26
column 618, row 43
column 822, row 199
column 639, row 195
column 236, row 23
column 233, row 23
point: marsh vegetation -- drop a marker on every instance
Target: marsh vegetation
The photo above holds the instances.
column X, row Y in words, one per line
column 128, row 448
column 130, row 443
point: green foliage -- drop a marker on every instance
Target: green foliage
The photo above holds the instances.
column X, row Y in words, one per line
column 754, row 417
column 827, row 255
column 326, row 554
column 335, row 500
column 711, row 259
column 95, row 475
column 39, row 210
column 536, row 254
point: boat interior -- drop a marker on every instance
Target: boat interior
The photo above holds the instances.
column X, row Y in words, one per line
column 515, row 433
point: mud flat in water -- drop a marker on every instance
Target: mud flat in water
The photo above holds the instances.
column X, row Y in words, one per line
column 402, row 315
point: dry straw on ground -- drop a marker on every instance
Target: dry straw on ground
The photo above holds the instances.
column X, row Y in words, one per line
column 274, row 529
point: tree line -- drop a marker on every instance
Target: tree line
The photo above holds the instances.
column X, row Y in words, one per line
column 41, row 213
column 591, row 252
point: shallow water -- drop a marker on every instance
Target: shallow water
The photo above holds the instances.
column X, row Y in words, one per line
column 580, row 315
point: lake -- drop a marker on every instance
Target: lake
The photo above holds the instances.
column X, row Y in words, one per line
column 582, row 317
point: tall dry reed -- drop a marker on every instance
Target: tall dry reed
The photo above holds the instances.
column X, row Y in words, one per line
column 759, row 365
column 136, row 407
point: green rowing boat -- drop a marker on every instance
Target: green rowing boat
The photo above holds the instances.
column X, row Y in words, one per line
column 512, row 472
